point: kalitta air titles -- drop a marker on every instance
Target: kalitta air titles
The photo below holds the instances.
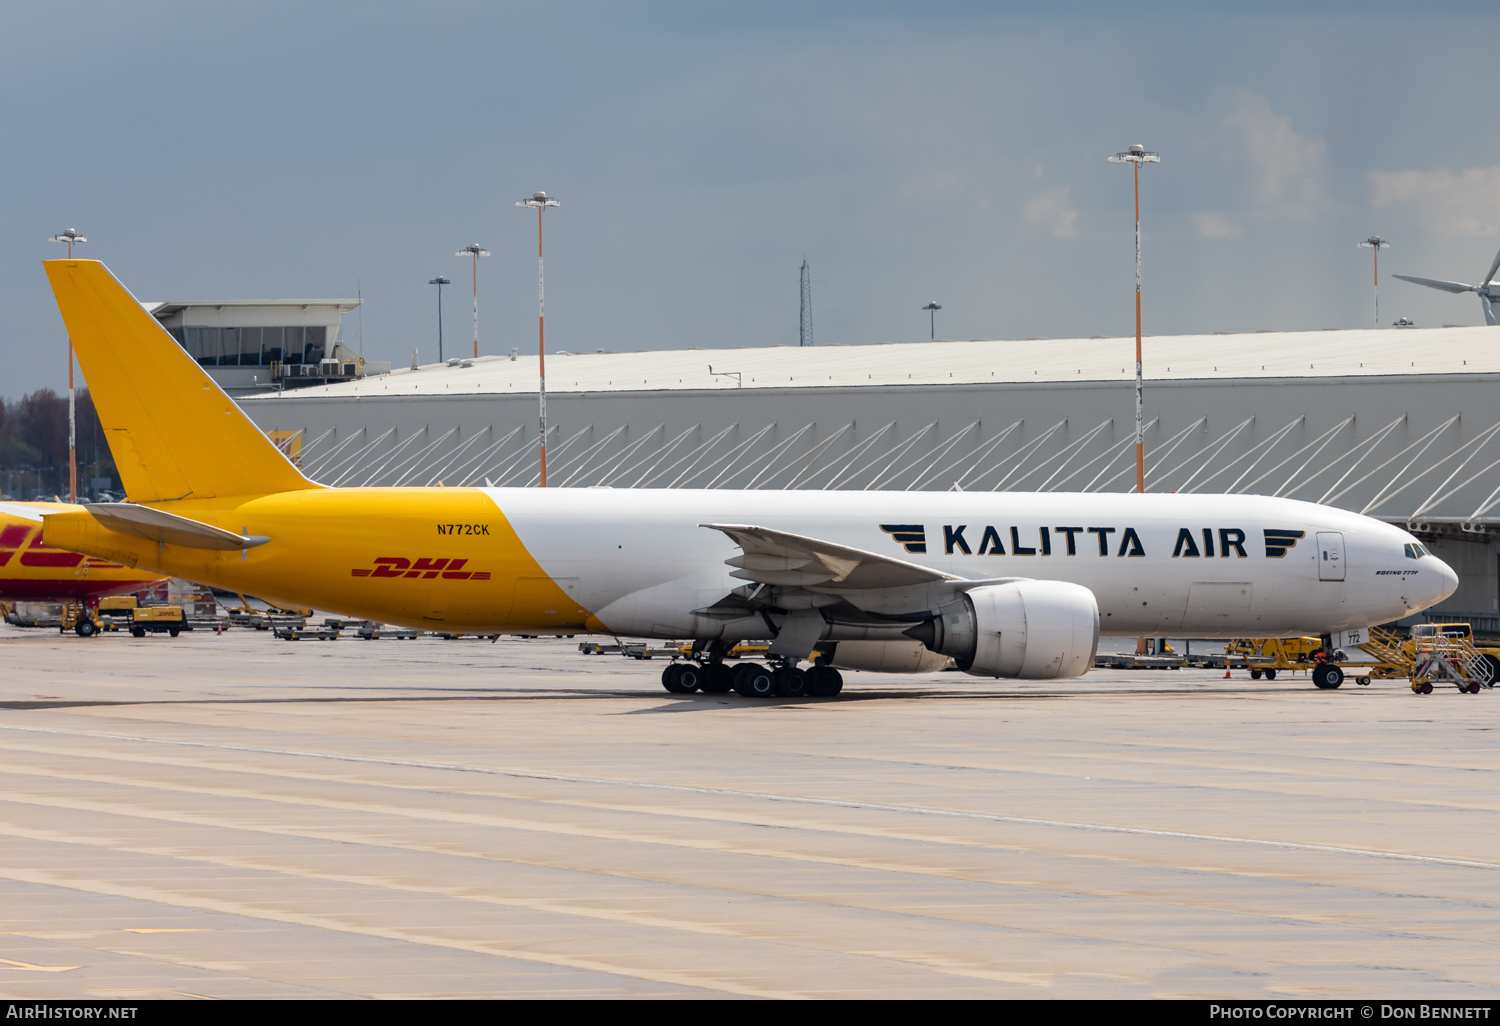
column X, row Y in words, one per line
column 1072, row 541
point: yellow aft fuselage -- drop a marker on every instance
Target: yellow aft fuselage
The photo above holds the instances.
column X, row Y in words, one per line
column 444, row 558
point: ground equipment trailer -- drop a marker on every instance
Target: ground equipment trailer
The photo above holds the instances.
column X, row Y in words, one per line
column 169, row 620
column 1266, row 657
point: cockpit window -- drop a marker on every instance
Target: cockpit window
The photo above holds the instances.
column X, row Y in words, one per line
column 1415, row 550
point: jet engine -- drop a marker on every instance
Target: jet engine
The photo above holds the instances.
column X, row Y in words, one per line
column 885, row 656
column 1034, row 630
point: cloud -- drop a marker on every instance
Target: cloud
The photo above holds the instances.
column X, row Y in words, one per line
column 1215, row 226
column 1465, row 204
column 1050, row 210
column 1287, row 170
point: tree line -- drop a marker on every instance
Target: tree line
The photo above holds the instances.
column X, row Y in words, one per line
column 34, row 447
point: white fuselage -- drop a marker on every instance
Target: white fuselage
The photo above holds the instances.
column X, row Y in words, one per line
column 1158, row 564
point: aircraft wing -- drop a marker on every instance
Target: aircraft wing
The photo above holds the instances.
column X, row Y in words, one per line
column 791, row 560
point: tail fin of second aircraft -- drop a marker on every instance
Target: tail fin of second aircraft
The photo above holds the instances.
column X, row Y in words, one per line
column 173, row 431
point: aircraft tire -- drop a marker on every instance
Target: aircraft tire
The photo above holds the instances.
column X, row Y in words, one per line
column 689, row 678
column 1327, row 676
column 1270, row 673
column 824, row 681
column 790, row 682
column 669, row 678
column 754, row 681
column 717, row 679
column 85, row 628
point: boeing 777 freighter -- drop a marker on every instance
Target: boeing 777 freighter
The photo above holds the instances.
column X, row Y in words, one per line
column 1006, row 584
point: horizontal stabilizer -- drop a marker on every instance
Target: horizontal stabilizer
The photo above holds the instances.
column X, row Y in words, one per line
column 169, row 528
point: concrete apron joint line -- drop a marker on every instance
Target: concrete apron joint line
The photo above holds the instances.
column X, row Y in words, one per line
column 797, row 799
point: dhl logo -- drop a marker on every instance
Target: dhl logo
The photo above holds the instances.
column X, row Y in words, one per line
column 426, row 569
column 13, row 539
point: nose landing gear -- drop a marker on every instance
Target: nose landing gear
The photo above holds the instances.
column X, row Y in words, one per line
column 1327, row 676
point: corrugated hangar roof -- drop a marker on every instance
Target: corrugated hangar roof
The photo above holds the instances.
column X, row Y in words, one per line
column 161, row 309
column 1298, row 354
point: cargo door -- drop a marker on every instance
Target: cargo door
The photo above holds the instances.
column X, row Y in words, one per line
column 1330, row 556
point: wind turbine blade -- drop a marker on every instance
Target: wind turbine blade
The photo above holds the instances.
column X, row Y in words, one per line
column 1433, row 283
column 1493, row 268
column 1491, row 314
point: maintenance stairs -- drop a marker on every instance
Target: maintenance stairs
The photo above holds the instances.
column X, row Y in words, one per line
column 1428, row 658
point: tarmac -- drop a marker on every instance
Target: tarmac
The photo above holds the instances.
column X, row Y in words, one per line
column 241, row 817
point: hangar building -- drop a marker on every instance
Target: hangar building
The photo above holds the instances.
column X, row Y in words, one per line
column 1403, row 425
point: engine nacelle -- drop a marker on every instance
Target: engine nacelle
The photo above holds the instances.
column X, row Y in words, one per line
column 1033, row 630
column 886, row 656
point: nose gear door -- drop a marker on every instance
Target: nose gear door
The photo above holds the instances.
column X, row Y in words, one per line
column 1330, row 556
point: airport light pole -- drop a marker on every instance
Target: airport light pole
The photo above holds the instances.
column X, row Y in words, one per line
column 440, row 281
column 71, row 236
column 932, row 309
column 541, row 201
column 1376, row 243
column 1136, row 156
column 473, row 250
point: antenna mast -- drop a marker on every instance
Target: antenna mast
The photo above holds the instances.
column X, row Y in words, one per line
column 805, row 336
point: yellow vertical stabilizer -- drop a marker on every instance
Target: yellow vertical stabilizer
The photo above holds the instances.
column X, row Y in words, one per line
column 173, row 432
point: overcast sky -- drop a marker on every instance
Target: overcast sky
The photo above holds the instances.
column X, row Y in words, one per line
column 911, row 152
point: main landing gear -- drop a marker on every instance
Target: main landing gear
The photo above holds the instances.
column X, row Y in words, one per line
column 752, row 680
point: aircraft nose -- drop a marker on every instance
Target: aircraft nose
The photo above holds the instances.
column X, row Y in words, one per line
column 1445, row 581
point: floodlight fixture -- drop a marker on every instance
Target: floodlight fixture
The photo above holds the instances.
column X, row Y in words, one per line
column 71, row 236
column 1135, row 156
column 541, row 201
column 1376, row 244
column 474, row 251
column 440, row 281
column 932, row 309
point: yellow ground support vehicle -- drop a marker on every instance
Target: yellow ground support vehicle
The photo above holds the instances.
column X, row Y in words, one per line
column 158, row 620
column 1266, row 657
column 116, row 612
column 1435, row 652
column 1448, row 652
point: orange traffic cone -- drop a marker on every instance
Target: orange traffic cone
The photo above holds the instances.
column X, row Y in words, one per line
column 220, row 631
column 1227, row 674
